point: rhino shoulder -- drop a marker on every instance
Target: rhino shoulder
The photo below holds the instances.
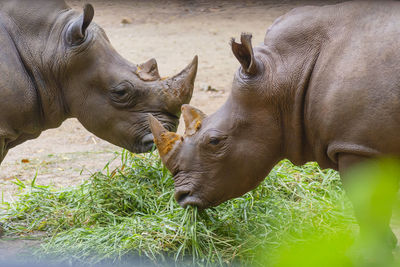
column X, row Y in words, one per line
column 18, row 97
column 34, row 19
column 299, row 26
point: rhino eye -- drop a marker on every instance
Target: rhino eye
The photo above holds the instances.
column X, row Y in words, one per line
column 214, row 141
column 120, row 92
column 123, row 95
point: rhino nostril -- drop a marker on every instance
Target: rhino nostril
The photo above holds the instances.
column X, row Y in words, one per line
column 181, row 195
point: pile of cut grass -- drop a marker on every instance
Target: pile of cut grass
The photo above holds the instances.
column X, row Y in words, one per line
column 130, row 213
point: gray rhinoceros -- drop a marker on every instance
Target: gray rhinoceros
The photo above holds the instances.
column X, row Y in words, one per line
column 324, row 86
column 56, row 64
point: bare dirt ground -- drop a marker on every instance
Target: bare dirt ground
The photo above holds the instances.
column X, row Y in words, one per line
column 170, row 31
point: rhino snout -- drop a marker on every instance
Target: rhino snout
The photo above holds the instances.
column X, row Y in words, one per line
column 190, row 195
column 181, row 195
column 186, row 198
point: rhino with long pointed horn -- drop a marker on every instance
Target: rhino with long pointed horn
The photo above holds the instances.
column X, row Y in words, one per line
column 57, row 64
column 322, row 87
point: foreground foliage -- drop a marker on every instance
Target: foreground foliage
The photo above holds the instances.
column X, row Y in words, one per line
column 130, row 213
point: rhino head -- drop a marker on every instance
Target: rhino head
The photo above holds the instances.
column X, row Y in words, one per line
column 230, row 152
column 109, row 95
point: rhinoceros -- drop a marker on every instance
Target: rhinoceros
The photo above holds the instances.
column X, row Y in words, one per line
column 55, row 63
column 324, row 86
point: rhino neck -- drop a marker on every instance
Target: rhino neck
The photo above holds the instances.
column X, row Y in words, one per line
column 296, row 146
column 296, row 39
column 34, row 27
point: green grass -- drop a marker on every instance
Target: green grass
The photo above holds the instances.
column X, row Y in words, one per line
column 130, row 212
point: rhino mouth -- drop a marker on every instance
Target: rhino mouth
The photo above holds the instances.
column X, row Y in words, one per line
column 185, row 198
column 147, row 142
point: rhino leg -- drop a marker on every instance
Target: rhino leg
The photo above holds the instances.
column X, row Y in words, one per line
column 3, row 149
column 373, row 197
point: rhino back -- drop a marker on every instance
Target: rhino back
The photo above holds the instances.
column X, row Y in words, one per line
column 353, row 98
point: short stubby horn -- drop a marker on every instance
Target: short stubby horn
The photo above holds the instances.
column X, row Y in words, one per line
column 167, row 142
column 193, row 118
column 148, row 71
column 180, row 87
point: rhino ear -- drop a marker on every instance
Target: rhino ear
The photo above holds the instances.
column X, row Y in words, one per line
column 76, row 31
column 148, row 71
column 244, row 53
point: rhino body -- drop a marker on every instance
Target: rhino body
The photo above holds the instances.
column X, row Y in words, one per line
column 324, row 86
column 55, row 63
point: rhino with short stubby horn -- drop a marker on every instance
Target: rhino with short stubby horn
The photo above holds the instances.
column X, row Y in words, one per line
column 324, row 86
column 56, row 63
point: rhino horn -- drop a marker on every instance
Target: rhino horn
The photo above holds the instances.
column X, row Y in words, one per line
column 180, row 87
column 193, row 119
column 148, row 71
column 166, row 142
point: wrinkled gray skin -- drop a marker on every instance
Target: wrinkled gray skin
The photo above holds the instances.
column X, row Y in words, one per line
column 55, row 63
column 324, row 86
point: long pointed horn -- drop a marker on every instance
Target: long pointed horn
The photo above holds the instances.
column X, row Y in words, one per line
column 193, row 118
column 180, row 87
column 166, row 142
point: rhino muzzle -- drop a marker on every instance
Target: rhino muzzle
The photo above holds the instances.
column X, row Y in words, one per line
column 169, row 144
column 186, row 198
column 170, row 93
